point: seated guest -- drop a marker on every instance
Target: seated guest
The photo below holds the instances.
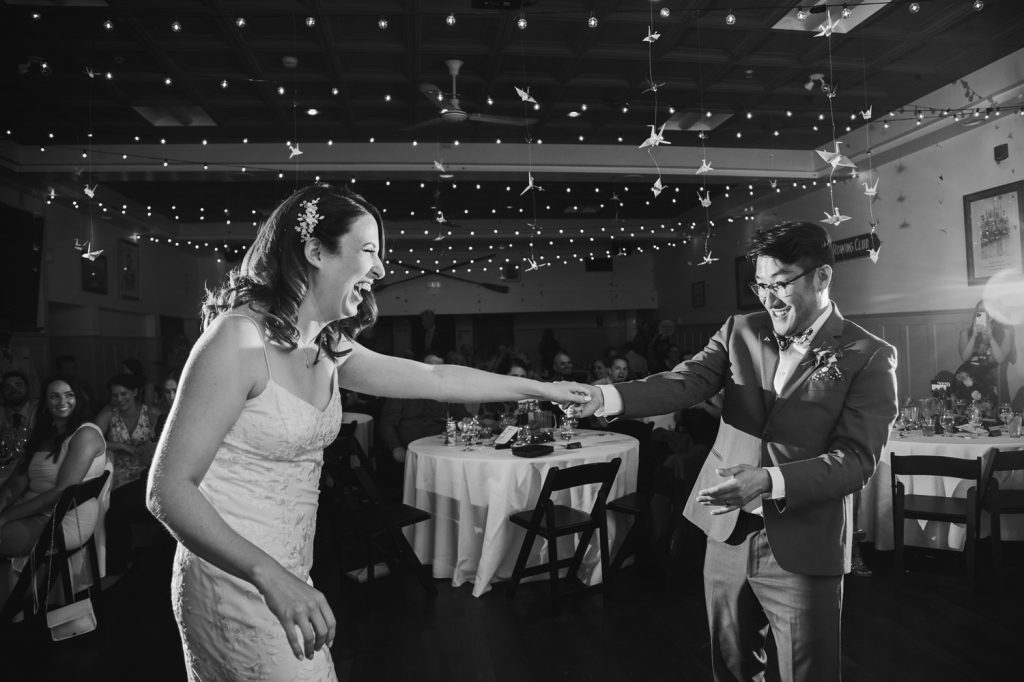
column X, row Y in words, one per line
column 561, row 368
column 618, row 371
column 66, row 449
column 17, row 409
column 17, row 358
column 130, row 428
column 492, row 413
column 598, row 371
column 166, row 393
column 403, row 420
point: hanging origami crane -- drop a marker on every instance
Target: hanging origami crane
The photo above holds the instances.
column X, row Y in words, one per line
column 295, row 151
column 439, row 165
column 834, row 218
column 873, row 253
column 90, row 191
column 89, row 72
column 86, row 249
column 834, row 158
column 534, row 265
column 530, row 185
column 708, row 260
column 525, row 95
column 871, row 190
column 656, row 138
column 825, row 30
column 866, row 113
column 705, row 200
column 657, row 187
column 705, row 167
column 652, row 86
column 652, row 36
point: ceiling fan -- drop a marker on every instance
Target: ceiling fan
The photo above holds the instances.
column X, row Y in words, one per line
column 450, row 107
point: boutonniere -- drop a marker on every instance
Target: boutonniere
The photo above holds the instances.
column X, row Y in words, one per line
column 825, row 361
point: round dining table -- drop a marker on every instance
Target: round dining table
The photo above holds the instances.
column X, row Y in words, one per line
column 471, row 491
column 875, row 515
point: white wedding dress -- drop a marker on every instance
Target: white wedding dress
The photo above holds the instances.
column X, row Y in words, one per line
column 264, row 482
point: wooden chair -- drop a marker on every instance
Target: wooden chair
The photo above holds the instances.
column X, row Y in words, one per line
column 933, row 507
column 552, row 521
column 54, row 566
column 996, row 501
column 376, row 523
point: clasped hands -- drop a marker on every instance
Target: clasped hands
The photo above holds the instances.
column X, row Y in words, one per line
column 744, row 483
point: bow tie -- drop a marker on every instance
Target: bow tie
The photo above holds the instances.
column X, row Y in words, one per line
column 803, row 338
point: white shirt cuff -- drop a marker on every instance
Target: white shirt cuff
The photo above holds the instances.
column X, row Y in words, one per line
column 612, row 402
column 778, row 484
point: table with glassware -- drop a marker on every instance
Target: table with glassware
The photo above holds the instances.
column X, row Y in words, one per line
column 875, row 516
column 470, row 491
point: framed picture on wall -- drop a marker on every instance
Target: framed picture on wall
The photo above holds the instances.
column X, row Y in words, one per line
column 94, row 274
column 992, row 220
column 745, row 298
column 128, row 269
column 697, row 298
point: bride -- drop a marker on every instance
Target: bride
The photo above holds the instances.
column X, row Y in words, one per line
column 236, row 471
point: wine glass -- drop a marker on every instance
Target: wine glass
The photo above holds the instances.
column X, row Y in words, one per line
column 1005, row 414
column 568, row 430
column 947, row 419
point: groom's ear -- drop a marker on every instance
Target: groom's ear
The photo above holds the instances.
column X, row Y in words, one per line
column 824, row 276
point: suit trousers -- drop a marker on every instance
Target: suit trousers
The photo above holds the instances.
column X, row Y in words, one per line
column 747, row 592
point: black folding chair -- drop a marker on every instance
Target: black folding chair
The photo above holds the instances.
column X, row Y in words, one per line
column 53, row 566
column 997, row 501
column 552, row 521
column 376, row 523
column 933, row 507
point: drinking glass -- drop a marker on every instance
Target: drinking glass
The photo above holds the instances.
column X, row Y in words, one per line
column 926, row 408
column 947, row 420
column 1005, row 414
column 568, row 430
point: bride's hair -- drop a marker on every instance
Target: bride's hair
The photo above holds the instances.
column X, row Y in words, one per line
column 274, row 274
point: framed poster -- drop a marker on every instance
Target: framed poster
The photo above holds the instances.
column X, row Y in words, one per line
column 697, row 295
column 128, row 269
column 94, row 274
column 745, row 298
column 992, row 221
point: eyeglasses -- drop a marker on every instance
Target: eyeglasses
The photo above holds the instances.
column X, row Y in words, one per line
column 777, row 288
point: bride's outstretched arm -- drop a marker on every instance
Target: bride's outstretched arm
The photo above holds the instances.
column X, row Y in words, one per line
column 223, row 370
column 383, row 375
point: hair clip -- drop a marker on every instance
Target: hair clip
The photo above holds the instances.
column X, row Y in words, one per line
column 308, row 219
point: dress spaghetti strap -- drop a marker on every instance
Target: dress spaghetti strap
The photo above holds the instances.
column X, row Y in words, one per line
column 263, row 339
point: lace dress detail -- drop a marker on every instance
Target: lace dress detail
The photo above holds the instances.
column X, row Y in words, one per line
column 264, row 482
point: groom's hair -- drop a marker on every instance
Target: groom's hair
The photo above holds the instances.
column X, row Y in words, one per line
column 793, row 243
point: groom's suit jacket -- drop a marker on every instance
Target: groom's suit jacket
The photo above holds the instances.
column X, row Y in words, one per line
column 824, row 433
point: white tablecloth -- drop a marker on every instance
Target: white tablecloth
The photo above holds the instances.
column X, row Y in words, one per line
column 470, row 496
column 875, row 516
column 364, row 428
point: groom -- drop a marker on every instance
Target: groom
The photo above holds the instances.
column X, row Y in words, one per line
column 809, row 398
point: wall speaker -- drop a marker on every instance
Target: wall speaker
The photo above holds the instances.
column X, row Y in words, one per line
column 1001, row 152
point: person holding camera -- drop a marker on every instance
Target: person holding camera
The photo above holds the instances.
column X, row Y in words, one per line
column 986, row 348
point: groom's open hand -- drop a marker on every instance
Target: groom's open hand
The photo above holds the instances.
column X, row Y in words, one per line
column 743, row 483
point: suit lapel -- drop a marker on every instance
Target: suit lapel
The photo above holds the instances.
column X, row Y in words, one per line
column 827, row 336
column 769, row 363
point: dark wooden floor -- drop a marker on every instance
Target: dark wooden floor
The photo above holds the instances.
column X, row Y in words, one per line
column 648, row 628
